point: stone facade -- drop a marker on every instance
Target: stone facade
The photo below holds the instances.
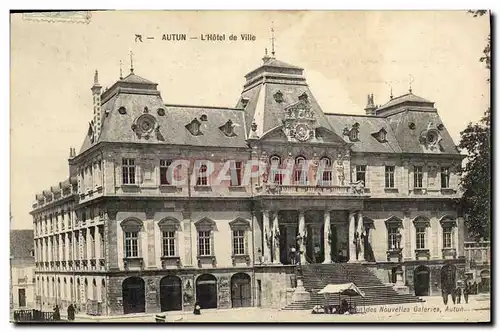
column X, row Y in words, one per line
column 121, row 236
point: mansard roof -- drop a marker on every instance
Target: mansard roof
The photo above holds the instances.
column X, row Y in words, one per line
column 268, row 92
column 408, row 98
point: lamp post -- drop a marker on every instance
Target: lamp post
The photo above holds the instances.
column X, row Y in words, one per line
column 300, row 293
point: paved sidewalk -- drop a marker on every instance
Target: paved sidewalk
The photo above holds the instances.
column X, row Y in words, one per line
column 433, row 310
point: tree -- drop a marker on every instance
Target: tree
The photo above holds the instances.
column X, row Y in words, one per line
column 476, row 175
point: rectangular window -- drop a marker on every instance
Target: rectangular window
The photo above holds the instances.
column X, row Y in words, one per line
column 445, row 177
column 70, row 247
column 101, row 241
column 393, row 237
column 236, row 173
column 420, row 232
column 128, row 171
column 389, row 176
column 202, row 179
column 418, row 176
column 361, row 173
column 238, row 242
column 63, row 248
column 84, row 245
column 92, row 243
column 204, row 248
column 447, row 237
column 164, row 165
column 131, row 244
column 169, row 244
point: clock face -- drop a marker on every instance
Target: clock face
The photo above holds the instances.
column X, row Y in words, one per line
column 302, row 132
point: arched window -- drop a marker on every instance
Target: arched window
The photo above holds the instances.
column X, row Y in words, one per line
column 275, row 172
column 326, row 168
column 202, row 176
column 300, row 171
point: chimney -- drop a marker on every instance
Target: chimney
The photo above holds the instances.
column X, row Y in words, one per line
column 96, row 96
column 370, row 106
column 72, row 167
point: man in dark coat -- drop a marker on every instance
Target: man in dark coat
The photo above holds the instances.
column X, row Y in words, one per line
column 458, row 294
column 57, row 314
column 71, row 312
column 466, row 292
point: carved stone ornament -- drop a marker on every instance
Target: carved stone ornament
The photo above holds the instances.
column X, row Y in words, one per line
column 144, row 126
column 299, row 123
column 431, row 137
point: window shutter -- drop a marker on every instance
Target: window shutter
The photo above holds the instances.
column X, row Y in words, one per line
column 198, row 242
column 212, row 246
column 246, row 242
column 232, row 241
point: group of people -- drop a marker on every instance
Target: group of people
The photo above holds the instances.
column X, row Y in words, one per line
column 71, row 313
column 457, row 293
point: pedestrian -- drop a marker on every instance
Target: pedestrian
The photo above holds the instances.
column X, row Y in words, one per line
column 293, row 255
column 458, row 294
column 57, row 314
column 466, row 293
column 71, row 312
column 474, row 287
column 445, row 297
column 197, row 308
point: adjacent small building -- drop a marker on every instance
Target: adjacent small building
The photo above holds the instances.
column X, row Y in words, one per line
column 22, row 265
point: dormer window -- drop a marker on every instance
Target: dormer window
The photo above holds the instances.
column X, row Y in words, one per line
column 228, row 128
column 194, row 127
column 278, row 97
column 244, row 102
column 440, row 126
column 304, row 97
column 161, row 112
column 122, row 110
column 411, row 125
column 353, row 133
column 204, row 117
column 381, row 135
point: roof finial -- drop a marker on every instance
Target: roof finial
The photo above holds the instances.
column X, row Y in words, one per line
column 411, row 80
column 96, row 78
column 121, row 73
column 131, row 62
column 272, row 39
column 391, row 93
column 265, row 52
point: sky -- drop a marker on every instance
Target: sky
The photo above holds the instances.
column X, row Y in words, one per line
column 346, row 55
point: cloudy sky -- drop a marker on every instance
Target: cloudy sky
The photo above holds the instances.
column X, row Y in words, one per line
column 346, row 55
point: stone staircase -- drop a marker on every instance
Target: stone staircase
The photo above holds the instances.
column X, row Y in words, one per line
column 317, row 276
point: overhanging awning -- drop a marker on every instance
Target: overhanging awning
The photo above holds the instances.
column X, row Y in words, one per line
column 349, row 289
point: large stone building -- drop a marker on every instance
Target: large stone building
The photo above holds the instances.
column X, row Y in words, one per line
column 144, row 223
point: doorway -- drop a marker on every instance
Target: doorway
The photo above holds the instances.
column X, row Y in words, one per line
column 421, row 281
column 170, row 293
column 134, row 295
column 206, row 291
column 241, row 291
column 22, row 297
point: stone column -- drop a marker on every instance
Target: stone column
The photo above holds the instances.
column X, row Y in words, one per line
column 352, row 231
column 361, row 232
column 302, row 234
column 326, row 238
column 265, row 233
column 276, row 243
